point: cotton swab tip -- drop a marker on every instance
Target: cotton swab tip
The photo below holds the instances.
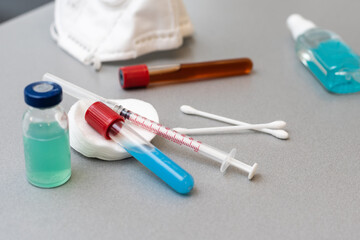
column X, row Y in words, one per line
column 188, row 109
column 281, row 134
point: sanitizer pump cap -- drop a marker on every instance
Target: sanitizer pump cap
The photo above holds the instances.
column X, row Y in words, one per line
column 298, row 25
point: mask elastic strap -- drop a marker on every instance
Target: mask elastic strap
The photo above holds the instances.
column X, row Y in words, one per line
column 91, row 59
column 94, row 61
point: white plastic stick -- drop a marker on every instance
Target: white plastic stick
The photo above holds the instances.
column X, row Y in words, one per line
column 281, row 134
column 230, row 129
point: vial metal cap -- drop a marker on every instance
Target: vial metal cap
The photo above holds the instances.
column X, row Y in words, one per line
column 43, row 94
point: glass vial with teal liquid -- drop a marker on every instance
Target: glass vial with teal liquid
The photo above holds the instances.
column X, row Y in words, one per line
column 326, row 55
column 46, row 136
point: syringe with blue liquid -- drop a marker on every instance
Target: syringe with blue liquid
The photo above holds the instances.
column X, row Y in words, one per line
column 226, row 159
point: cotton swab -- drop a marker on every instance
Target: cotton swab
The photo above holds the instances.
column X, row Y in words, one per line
column 230, row 129
column 281, row 134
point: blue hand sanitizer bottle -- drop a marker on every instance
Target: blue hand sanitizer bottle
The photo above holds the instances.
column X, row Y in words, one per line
column 326, row 55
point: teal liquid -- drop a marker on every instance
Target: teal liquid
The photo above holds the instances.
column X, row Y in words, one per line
column 47, row 154
column 336, row 66
column 171, row 173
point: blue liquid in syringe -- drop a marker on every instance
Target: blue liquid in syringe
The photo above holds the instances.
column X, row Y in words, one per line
column 171, row 173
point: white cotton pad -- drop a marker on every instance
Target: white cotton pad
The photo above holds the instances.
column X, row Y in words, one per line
column 85, row 140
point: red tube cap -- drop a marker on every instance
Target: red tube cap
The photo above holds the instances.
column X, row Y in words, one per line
column 101, row 118
column 134, row 76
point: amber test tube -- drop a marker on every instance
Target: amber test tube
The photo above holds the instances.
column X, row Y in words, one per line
column 141, row 75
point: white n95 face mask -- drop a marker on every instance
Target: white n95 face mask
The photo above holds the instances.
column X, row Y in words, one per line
column 96, row 31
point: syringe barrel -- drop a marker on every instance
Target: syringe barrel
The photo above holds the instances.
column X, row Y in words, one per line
column 213, row 153
column 102, row 119
column 157, row 128
column 171, row 135
column 181, row 139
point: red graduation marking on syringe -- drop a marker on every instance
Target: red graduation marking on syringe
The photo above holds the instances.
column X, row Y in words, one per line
column 165, row 132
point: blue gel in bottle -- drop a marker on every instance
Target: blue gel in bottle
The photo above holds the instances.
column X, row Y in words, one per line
column 324, row 53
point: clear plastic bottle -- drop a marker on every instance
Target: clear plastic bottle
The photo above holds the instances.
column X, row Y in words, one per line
column 46, row 136
column 326, row 55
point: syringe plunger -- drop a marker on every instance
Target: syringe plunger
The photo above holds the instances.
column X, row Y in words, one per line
column 227, row 159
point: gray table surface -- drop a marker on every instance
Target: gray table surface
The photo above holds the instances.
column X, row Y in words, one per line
column 306, row 188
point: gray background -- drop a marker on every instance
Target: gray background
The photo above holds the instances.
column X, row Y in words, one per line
column 306, row 188
column 12, row 8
